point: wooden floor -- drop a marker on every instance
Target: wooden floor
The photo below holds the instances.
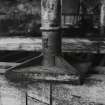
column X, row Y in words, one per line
column 92, row 92
column 9, row 95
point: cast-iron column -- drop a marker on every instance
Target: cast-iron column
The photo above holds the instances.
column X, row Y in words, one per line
column 51, row 36
column 102, row 17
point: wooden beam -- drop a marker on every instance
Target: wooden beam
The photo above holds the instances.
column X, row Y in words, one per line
column 4, row 66
column 20, row 43
column 8, row 64
column 77, row 45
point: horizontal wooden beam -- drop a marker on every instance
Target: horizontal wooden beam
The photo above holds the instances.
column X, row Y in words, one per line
column 77, row 45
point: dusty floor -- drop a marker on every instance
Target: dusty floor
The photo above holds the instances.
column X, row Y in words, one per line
column 90, row 93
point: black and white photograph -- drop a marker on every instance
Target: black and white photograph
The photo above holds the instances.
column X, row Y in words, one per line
column 52, row 52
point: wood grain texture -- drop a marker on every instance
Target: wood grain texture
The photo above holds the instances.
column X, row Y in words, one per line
column 77, row 45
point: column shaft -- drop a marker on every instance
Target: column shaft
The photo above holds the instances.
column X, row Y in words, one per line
column 51, row 37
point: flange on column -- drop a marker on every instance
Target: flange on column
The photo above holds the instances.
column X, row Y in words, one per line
column 54, row 67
